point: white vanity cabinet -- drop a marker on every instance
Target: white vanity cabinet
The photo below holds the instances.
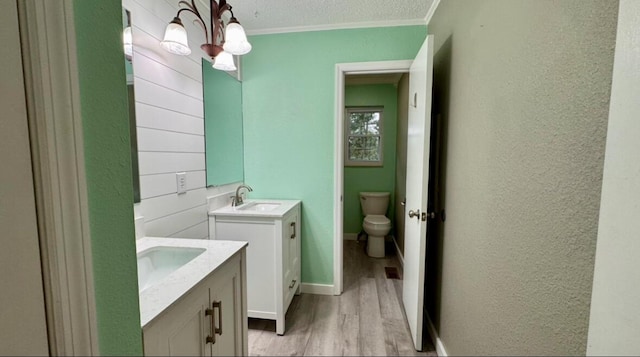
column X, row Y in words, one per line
column 209, row 320
column 273, row 254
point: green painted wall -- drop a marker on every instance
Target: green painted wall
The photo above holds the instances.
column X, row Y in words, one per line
column 361, row 178
column 288, row 109
column 108, row 168
column 223, row 126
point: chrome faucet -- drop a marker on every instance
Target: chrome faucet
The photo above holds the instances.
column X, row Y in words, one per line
column 237, row 199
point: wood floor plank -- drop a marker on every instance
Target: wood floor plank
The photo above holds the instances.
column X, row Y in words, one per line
column 350, row 300
column 325, row 331
column 372, row 339
column 390, row 306
column 350, row 336
column 300, row 324
column 259, row 336
column 390, row 346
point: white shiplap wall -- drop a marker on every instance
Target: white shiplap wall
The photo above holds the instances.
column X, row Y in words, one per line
column 170, row 125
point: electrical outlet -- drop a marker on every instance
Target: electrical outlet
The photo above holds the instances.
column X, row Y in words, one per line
column 181, row 181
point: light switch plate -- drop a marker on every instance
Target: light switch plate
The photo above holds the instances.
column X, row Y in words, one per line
column 181, row 181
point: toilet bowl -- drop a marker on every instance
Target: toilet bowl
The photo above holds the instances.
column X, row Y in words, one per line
column 376, row 224
column 377, row 227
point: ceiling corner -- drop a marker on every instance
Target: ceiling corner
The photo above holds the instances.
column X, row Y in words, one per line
column 431, row 12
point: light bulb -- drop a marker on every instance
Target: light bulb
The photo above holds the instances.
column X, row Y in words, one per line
column 224, row 62
column 127, row 39
column 175, row 38
column 235, row 41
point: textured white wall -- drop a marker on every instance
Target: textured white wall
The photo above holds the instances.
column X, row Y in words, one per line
column 614, row 327
column 526, row 107
column 170, row 124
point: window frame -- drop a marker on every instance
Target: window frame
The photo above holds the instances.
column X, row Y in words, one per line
column 347, row 135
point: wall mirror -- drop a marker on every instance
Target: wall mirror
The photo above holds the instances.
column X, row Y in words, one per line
column 128, row 64
column 222, row 97
column 224, row 146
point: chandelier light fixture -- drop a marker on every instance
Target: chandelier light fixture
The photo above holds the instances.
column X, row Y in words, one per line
column 221, row 43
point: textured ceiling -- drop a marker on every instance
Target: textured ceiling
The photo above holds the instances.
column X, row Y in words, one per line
column 272, row 16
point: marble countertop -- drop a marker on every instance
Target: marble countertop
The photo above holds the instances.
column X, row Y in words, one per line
column 157, row 298
column 278, row 212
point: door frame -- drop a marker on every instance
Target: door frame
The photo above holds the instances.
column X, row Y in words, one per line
column 342, row 69
column 56, row 138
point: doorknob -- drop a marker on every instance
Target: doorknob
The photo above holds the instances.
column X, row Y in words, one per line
column 414, row 214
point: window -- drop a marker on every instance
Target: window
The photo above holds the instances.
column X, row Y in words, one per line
column 363, row 137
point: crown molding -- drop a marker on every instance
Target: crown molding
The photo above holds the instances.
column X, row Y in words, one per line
column 343, row 26
column 432, row 10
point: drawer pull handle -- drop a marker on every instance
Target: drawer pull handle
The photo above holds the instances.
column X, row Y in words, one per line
column 211, row 339
column 218, row 330
column 293, row 227
column 293, row 283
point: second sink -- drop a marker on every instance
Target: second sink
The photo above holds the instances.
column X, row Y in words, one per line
column 154, row 264
column 259, row 206
column 262, row 207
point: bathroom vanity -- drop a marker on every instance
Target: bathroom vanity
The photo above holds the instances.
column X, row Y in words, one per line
column 192, row 297
column 272, row 228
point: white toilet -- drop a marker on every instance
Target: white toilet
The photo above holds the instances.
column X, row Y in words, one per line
column 376, row 224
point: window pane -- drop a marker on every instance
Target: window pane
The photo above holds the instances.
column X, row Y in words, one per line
column 364, row 123
column 364, row 148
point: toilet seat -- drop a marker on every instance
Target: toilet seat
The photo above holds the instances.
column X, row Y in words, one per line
column 375, row 224
column 377, row 219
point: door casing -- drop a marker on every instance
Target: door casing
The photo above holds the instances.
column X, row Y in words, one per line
column 47, row 35
column 342, row 69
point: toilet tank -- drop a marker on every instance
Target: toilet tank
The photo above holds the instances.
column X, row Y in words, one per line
column 374, row 202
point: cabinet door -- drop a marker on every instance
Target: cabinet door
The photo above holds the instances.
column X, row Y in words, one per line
column 227, row 303
column 182, row 330
column 290, row 257
column 294, row 250
column 261, row 260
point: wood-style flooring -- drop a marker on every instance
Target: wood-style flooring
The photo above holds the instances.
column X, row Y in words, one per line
column 366, row 320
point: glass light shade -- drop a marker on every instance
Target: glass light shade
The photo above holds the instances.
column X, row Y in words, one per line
column 224, row 62
column 127, row 39
column 235, row 39
column 175, row 40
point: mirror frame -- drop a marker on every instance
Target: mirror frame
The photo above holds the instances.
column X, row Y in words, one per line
column 135, row 172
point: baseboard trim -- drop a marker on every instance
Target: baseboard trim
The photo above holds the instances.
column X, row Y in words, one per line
column 350, row 236
column 262, row 314
column 317, row 289
column 440, row 350
column 398, row 252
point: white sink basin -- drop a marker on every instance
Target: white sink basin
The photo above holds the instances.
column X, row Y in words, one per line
column 259, row 206
column 155, row 264
column 263, row 207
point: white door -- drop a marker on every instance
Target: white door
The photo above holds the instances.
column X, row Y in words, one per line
column 22, row 316
column 415, row 246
